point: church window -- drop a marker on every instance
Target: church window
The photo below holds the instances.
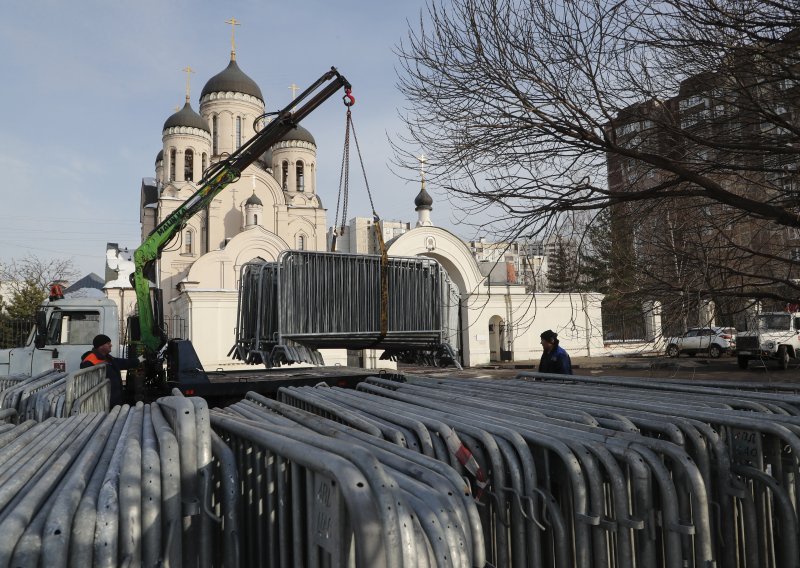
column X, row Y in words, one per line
column 214, row 135
column 238, row 131
column 204, row 162
column 188, row 239
column 285, row 175
column 301, row 242
column 188, row 165
column 301, row 184
column 172, row 158
column 255, row 219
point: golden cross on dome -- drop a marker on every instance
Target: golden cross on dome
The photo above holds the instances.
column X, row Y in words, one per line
column 294, row 88
column 188, row 70
column 233, row 22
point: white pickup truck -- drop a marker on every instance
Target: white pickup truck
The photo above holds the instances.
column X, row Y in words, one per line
column 777, row 336
column 64, row 331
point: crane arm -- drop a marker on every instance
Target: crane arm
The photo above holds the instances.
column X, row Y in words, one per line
column 215, row 180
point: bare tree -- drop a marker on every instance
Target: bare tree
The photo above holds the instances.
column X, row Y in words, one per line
column 679, row 116
column 20, row 274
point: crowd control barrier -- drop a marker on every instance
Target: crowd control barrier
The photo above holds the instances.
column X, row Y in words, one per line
column 306, row 301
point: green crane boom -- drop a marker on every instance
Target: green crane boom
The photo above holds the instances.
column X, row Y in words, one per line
column 151, row 337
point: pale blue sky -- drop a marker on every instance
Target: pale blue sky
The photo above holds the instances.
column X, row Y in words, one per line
column 87, row 86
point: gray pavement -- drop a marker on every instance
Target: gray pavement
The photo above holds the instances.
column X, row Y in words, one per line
column 701, row 368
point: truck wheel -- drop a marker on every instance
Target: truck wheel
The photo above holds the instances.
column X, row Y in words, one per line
column 742, row 361
column 672, row 351
column 783, row 358
column 714, row 351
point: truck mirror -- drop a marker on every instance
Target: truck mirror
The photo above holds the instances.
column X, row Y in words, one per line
column 40, row 340
column 41, row 322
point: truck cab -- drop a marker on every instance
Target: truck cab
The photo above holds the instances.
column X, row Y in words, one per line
column 63, row 333
column 776, row 337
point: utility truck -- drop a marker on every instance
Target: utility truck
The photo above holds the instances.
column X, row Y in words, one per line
column 776, row 336
column 65, row 327
column 64, row 332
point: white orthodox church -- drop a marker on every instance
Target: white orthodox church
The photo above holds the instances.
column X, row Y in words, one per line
column 274, row 206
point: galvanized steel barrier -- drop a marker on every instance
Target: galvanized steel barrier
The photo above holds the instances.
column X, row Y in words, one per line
column 577, row 471
column 140, row 486
column 306, row 301
column 322, row 494
column 56, row 394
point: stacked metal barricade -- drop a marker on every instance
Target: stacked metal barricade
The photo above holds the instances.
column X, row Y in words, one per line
column 307, row 301
column 576, row 472
column 324, row 494
column 56, row 394
column 132, row 487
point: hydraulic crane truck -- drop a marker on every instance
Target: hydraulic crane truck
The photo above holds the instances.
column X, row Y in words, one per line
column 145, row 329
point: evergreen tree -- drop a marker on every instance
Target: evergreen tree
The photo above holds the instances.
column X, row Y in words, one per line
column 595, row 257
column 562, row 269
column 26, row 300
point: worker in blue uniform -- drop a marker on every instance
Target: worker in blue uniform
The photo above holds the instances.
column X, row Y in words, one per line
column 554, row 358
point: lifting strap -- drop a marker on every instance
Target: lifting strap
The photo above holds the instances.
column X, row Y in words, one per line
column 343, row 197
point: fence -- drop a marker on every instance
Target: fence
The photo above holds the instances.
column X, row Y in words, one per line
column 625, row 326
column 14, row 332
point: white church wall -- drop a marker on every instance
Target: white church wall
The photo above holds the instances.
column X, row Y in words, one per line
column 210, row 317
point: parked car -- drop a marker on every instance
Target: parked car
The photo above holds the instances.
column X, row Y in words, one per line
column 712, row 340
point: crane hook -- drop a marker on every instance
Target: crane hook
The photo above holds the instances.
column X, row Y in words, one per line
column 348, row 98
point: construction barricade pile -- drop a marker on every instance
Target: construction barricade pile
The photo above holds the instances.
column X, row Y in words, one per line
column 544, row 470
column 307, row 301
column 56, row 394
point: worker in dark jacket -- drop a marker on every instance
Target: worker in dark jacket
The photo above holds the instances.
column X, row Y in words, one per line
column 102, row 354
column 554, row 359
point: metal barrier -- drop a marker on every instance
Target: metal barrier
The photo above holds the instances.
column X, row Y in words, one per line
column 56, row 394
column 595, row 472
column 131, row 487
column 311, row 300
column 321, row 494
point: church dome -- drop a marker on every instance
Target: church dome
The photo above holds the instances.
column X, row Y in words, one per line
column 423, row 199
column 253, row 200
column 299, row 133
column 160, row 156
column 232, row 79
column 187, row 117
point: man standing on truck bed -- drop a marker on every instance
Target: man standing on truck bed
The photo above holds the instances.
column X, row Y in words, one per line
column 102, row 354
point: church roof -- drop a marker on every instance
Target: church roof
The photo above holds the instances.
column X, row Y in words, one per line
column 423, row 199
column 253, row 200
column 187, row 117
column 299, row 133
column 160, row 156
column 234, row 80
column 91, row 280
